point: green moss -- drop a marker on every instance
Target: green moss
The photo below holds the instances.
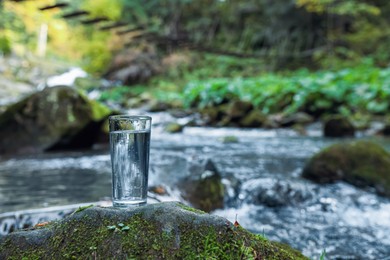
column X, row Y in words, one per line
column 362, row 163
column 99, row 111
column 185, row 207
column 174, row 128
column 163, row 233
column 229, row 139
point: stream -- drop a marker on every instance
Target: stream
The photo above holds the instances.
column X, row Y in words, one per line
column 265, row 191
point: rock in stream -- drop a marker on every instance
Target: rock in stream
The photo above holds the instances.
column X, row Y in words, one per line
column 159, row 231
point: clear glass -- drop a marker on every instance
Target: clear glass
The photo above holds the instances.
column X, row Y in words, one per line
column 129, row 147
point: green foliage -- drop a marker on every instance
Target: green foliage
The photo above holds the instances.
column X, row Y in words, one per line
column 103, row 8
column 121, row 93
column 5, row 45
column 364, row 89
column 95, row 54
column 346, row 7
column 323, row 255
column 284, row 34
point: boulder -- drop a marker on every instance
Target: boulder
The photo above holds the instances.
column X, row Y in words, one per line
column 203, row 188
column 255, row 118
column 174, row 128
column 157, row 231
column 362, row 163
column 56, row 118
column 278, row 193
column 237, row 109
column 158, row 106
column 299, row 118
column 133, row 66
column 212, row 115
column 229, row 139
column 338, row 126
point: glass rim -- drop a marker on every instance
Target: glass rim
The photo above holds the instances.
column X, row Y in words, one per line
column 129, row 117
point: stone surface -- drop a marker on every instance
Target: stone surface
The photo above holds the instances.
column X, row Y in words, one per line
column 55, row 118
column 255, row 118
column 362, row 163
column 203, row 188
column 237, row 109
column 174, row 128
column 157, row 231
column 134, row 66
column 300, row 118
column 281, row 193
column 338, row 126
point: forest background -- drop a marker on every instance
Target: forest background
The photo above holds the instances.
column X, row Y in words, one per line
column 315, row 56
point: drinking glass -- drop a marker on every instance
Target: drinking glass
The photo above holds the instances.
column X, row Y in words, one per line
column 129, row 147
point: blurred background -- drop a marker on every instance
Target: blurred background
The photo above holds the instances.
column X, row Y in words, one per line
column 249, row 90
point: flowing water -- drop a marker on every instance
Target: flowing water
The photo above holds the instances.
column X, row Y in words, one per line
column 262, row 173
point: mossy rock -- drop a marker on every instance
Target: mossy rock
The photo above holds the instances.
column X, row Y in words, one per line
column 213, row 115
column 56, row 118
column 299, row 118
column 362, row 163
column 255, row 118
column 204, row 188
column 230, row 139
column 238, row 109
column 174, row 128
column 158, row 231
column 338, row 126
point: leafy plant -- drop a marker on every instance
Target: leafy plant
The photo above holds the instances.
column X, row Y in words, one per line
column 364, row 89
column 323, row 255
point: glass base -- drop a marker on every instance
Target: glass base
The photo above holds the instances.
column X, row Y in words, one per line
column 128, row 203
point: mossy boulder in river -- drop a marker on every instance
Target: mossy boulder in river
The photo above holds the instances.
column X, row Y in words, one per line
column 362, row 163
column 158, row 231
column 203, row 188
column 56, row 118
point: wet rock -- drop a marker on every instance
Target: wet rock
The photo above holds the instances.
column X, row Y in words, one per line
column 362, row 163
column 134, row 66
column 55, row 118
column 213, row 115
column 158, row 106
column 338, row 126
column 229, row 139
column 300, row 129
column 300, row 118
column 157, row 231
column 133, row 102
column 174, row 128
column 255, row 118
column 203, row 188
column 386, row 129
column 282, row 193
column 238, row 109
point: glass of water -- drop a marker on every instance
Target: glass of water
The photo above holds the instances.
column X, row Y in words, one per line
column 129, row 147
